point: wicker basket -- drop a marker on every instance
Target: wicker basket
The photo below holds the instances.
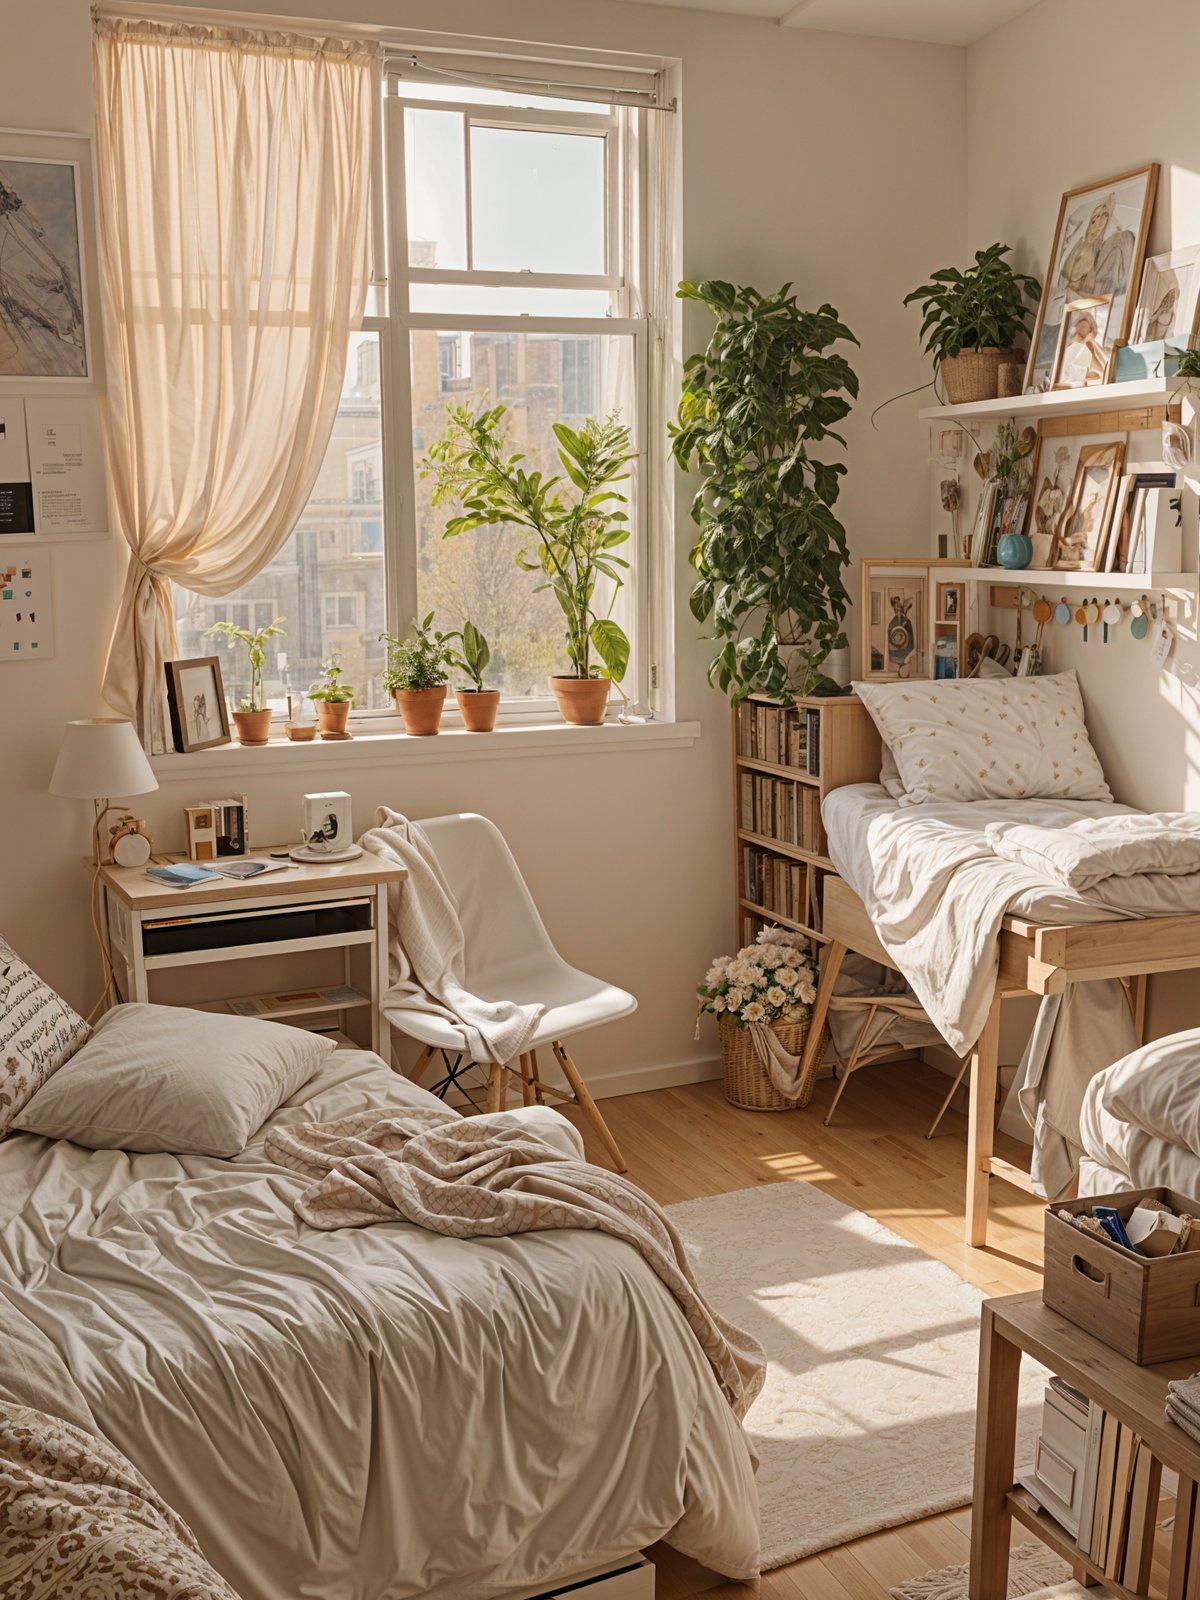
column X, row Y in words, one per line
column 973, row 374
column 747, row 1082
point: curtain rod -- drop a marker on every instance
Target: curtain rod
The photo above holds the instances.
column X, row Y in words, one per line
column 647, row 98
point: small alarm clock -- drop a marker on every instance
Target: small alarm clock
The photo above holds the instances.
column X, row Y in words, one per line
column 129, row 842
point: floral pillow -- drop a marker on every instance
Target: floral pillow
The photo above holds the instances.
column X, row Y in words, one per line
column 38, row 1033
column 987, row 739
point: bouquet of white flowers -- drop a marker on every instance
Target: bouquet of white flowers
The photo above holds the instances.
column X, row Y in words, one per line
column 771, row 980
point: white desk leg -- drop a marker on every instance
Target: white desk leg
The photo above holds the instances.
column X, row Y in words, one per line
column 381, row 1030
column 138, row 975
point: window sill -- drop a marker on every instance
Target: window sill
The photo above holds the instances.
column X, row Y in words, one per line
column 452, row 744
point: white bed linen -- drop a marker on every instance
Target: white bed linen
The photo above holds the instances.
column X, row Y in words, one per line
column 1141, row 1116
column 370, row 1413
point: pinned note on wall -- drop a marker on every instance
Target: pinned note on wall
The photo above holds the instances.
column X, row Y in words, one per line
column 26, row 608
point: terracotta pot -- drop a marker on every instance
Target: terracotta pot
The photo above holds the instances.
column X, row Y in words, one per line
column 581, row 700
column 479, row 708
column 421, row 709
column 253, row 727
column 973, row 374
column 332, row 714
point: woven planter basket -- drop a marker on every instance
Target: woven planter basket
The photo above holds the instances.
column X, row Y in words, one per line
column 973, row 375
column 747, row 1082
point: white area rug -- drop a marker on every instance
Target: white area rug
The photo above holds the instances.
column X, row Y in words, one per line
column 867, row 1419
column 1034, row 1573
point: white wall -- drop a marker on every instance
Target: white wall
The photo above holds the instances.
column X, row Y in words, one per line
column 834, row 162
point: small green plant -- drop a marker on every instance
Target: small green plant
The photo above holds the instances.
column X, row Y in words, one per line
column 419, row 661
column 474, row 656
column 329, row 686
column 1010, row 457
column 1189, row 364
column 256, row 648
column 985, row 305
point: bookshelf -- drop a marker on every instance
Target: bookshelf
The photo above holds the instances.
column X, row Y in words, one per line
column 785, row 761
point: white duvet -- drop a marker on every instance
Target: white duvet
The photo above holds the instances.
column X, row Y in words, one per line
column 1140, row 1120
column 367, row 1414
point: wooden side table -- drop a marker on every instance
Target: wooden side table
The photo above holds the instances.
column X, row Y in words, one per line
column 1020, row 1324
column 151, row 928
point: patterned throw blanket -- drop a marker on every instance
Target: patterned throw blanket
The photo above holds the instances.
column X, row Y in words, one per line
column 469, row 1179
column 78, row 1522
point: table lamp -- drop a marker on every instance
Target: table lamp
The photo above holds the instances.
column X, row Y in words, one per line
column 101, row 757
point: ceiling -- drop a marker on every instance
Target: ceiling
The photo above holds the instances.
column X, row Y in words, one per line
column 933, row 21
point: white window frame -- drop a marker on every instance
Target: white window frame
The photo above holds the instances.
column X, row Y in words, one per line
column 622, row 278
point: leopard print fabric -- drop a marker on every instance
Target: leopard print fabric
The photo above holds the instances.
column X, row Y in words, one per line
column 78, row 1522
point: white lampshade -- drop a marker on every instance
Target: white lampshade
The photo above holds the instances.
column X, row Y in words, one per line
column 101, row 756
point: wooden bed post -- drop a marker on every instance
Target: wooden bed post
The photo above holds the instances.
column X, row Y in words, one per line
column 985, row 1067
column 835, row 954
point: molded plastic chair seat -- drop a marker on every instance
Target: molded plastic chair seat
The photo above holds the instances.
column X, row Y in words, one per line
column 573, row 1000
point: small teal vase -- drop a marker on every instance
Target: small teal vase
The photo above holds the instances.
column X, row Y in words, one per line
column 1014, row 551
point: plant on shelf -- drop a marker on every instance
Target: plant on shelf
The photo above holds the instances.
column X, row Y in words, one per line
column 332, row 698
column 973, row 321
column 477, row 702
column 770, row 553
column 252, row 717
column 576, row 534
column 415, row 675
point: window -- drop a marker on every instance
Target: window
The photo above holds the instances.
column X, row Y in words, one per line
column 514, row 277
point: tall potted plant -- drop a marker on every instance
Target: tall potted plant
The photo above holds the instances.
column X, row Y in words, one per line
column 252, row 718
column 576, row 534
column 415, row 675
column 973, row 320
column 770, row 552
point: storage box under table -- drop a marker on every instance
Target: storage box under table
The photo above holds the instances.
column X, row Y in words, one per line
column 1148, row 1308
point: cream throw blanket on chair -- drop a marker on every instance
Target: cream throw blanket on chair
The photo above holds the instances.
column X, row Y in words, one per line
column 473, row 1178
column 428, row 951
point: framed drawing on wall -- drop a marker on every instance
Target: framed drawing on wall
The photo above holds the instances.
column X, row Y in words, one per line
column 895, row 638
column 44, row 331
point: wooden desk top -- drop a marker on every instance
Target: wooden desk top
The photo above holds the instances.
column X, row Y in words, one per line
column 1136, row 1395
column 141, row 893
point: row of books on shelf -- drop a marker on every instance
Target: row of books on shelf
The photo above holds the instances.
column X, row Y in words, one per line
column 775, row 883
column 779, row 809
column 784, row 735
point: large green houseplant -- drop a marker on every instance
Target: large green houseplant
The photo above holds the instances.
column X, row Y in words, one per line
column 770, row 552
column 576, row 530
column 973, row 321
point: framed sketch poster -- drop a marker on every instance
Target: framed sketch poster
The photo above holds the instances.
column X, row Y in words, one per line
column 44, row 327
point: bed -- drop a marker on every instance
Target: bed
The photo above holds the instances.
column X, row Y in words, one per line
column 1140, row 1122
column 370, row 1412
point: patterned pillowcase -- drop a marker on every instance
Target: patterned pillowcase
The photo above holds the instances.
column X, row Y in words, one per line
column 38, row 1032
column 993, row 739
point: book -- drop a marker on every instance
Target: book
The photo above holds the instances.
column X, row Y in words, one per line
column 1118, row 1524
column 1143, row 1516
column 182, row 875
column 1091, row 1467
column 1102, row 1504
column 250, row 869
column 265, row 1005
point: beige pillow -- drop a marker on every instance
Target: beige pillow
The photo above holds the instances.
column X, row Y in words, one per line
column 38, row 1032
column 987, row 739
column 889, row 774
column 163, row 1078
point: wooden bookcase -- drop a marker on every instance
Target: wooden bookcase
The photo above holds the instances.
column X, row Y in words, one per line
column 785, row 761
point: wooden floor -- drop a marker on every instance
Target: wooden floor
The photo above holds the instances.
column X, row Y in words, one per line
column 685, row 1143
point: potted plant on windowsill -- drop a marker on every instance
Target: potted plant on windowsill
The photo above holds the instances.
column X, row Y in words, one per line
column 576, row 535
column 973, row 320
column 477, row 703
column 415, row 676
column 252, row 718
column 332, row 698
column 770, row 552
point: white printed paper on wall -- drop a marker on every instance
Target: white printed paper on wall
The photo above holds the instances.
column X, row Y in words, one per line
column 67, row 466
column 16, row 491
column 26, row 608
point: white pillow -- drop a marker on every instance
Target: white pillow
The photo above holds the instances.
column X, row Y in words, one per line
column 889, row 774
column 1157, row 1089
column 38, row 1032
column 989, row 739
column 163, row 1078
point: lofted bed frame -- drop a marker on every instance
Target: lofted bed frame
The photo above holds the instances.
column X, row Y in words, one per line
column 1035, row 959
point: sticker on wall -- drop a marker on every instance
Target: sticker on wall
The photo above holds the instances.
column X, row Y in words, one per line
column 26, row 609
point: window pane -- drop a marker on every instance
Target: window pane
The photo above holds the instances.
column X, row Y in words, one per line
column 537, row 200
column 542, row 378
column 473, row 299
column 436, row 185
column 328, row 580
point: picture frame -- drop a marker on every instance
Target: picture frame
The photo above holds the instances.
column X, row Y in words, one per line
column 1084, row 526
column 894, row 635
column 1168, row 303
column 1082, row 358
column 1054, row 462
column 949, row 602
column 1099, row 247
column 45, row 321
column 196, row 702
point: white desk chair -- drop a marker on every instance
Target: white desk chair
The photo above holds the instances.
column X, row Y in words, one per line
column 509, row 956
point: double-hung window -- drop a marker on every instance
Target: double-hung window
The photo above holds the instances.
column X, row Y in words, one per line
column 515, row 259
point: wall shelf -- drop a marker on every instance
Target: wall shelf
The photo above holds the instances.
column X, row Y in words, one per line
column 1047, row 578
column 1068, row 402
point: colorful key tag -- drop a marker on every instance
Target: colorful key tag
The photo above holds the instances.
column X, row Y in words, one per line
column 1112, row 616
column 1139, row 625
column 1042, row 611
column 1062, row 612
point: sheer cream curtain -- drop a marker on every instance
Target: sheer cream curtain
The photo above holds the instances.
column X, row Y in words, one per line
column 234, row 180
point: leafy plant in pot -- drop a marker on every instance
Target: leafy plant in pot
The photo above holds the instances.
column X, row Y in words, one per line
column 252, row 716
column 576, row 535
column 477, row 703
column 770, row 552
column 332, row 698
column 973, row 320
column 415, row 675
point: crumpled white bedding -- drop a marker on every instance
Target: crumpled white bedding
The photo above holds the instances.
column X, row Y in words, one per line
column 372, row 1413
column 1140, row 1119
column 1102, row 857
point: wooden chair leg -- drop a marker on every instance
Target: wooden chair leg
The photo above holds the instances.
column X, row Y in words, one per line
column 497, row 1084
column 538, row 1093
column 417, row 1071
column 528, row 1090
column 587, row 1105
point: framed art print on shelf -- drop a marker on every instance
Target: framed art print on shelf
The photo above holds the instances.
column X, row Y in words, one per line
column 196, row 702
column 894, row 636
column 44, row 332
column 1099, row 246
column 1053, row 480
column 1168, row 304
column 1082, row 357
column 1083, row 529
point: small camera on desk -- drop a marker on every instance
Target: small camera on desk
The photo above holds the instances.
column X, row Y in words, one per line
column 327, row 828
